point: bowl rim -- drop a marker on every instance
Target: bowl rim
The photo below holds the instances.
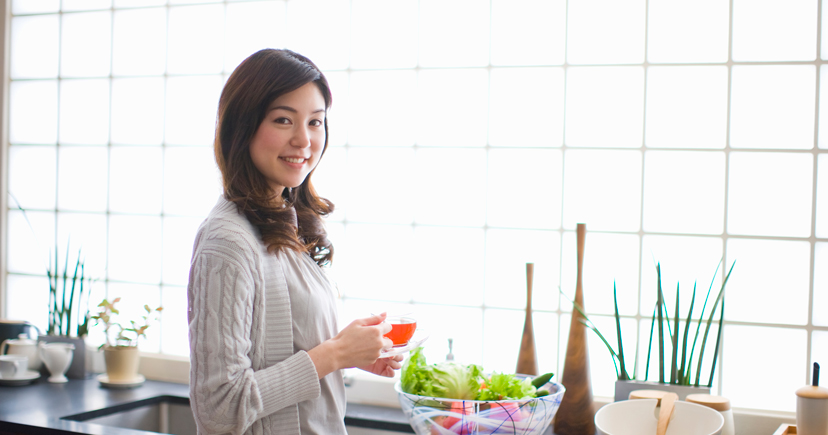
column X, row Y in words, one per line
column 560, row 390
column 654, row 402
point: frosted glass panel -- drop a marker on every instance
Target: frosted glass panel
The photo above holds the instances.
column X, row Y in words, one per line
column 773, row 107
column 191, row 110
column 537, row 203
column 173, row 341
column 507, row 252
column 84, row 112
column 384, row 113
column 84, row 232
column 136, row 51
column 770, row 194
column 134, row 3
column 532, row 98
column 365, row 274
column 338, row 113
column 751, row 283
column 396, row 22
column 452, row 183
column 37, row 34
column 674, row 34
column 823, row 109
column 452, row 107
column 195, row 39
column 33, row 109
column 25, row 302
column 820, row 312
column 138, row 111
column 516, row 21
column 32, row 176
column 31, row 239
column 34, row 7
column 822, row 197
column 684, row 192
column 250, row 27
column 179, row 234
column 604, row 106
column 602, row 189
column 328, row 44
column 606, row 31
column 192, row 182
column 135, row 180
column 608, row 258
column 462, row 325
column 85, row 5
column 454, row 33
column 740, row 368
column 819, row 350
column 134, row 244
column 690, row 100
column 685, row 262
column 773, row 30
column 82, row 178
column 384, row 182
column 451, row 279
column 86, row 44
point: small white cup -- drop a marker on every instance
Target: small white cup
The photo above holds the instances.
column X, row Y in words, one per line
column 13, row 366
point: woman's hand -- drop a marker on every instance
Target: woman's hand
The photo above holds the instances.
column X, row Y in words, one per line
column 384, row 366
column 358, row 345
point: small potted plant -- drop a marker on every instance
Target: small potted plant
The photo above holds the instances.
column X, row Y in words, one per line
column 680, row 370
column 121, row 354
column 68, row 321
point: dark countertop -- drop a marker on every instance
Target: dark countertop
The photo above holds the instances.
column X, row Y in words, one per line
column 43, row 407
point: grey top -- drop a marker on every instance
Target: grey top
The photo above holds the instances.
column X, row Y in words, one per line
column 247, row 373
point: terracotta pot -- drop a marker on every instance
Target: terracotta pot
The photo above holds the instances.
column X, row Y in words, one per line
column 121, row 363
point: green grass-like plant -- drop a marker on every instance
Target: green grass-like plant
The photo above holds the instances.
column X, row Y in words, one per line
column 681, row 364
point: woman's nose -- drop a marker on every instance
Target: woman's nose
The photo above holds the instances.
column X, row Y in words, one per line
column 301, row 138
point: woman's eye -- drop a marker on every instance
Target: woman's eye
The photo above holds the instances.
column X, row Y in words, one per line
column 316, row 123
column 281, row 121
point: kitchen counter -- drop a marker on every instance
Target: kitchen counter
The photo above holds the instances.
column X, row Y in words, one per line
column 49, row 409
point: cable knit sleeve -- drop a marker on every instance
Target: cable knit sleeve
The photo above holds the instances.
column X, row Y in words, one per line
column 227, row 395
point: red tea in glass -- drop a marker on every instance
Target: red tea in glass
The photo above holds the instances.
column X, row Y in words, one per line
column 402, row 329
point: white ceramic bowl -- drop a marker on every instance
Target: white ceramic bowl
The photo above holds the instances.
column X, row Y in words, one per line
column 439, row 416
column 637, row 417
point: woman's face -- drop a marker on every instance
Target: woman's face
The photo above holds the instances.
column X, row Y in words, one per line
column 289, row 142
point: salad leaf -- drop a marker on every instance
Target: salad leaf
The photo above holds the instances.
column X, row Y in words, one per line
column 448, row 380
column 452, row 380
column 504, row 386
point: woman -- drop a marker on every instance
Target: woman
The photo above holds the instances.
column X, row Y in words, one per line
column 265, row 354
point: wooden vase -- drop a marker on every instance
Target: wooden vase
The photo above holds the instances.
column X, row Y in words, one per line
column 527, row 357
column 575, row 415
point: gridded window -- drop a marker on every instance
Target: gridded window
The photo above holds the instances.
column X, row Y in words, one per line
column 468, row 138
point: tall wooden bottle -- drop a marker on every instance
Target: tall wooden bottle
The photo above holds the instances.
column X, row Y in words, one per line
column 575, row 416
column 527, row 358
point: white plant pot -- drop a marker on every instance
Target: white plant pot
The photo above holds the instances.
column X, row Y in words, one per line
column 623, row 389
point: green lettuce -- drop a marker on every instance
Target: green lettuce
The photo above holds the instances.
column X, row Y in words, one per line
column 448, row 380
column 504, row 386
column 451, row 380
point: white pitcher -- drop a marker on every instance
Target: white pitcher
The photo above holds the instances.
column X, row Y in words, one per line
column 23, row 346
column 57, row 357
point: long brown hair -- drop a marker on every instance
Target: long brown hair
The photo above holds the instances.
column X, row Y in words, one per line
column 293, row 221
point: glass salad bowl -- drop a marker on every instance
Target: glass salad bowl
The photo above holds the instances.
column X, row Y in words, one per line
column 440, row 416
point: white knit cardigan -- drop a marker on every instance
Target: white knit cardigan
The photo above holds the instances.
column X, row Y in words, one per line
column 244, row 375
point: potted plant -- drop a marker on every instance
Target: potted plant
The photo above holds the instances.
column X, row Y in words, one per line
column 68, row 320
column 121, row 354
column 681, row 371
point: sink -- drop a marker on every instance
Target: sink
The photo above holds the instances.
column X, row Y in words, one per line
column 163, row 414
